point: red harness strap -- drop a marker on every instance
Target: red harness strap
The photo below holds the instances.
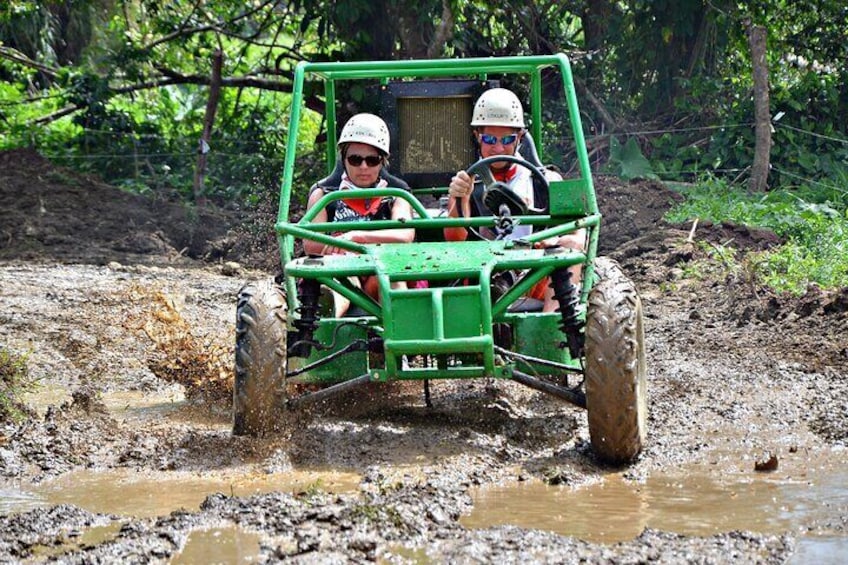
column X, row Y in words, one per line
column 363, row 206
column 505, row 175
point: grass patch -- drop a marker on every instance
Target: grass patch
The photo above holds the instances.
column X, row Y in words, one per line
column 14, row 381
column 379, row 515
column 814, row 224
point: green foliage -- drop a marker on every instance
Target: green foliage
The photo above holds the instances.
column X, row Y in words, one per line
column 813, row 223
column 793, row 267
column 314, row 488
column 149, row 144
column 378, row 515
column 147, row 139
column 722, row 255
column 134, row 78
column 14, row 381
column 705, row 118
column 627, row 160
column 657, row 45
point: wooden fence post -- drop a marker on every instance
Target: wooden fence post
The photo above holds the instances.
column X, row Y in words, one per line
column 208, row 121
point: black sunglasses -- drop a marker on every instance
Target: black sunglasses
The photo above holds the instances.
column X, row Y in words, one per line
column 370, row 160
column 490, row 139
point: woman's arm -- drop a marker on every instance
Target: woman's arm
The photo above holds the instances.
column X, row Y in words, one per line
column 401, row 210
column 309, row 246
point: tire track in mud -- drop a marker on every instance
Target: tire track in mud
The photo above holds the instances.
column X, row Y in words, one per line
column 714, row 390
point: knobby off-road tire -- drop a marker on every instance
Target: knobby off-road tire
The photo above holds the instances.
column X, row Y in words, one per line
column 259, row 389
column 616, row 395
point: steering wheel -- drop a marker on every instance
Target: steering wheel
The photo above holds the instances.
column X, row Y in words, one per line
column 497, row 193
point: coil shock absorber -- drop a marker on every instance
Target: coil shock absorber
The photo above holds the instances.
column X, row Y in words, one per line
column 308, row 292
column 567, row 294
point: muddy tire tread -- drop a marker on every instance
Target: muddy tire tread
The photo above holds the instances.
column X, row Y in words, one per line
column 616, row 395
column 260, row 359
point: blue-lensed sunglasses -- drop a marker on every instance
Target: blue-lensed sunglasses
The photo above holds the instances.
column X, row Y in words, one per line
column 490, row 139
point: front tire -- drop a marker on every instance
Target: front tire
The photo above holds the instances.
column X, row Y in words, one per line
column 260, row 359
column 616, row 389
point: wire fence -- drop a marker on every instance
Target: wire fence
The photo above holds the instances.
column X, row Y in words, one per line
column 136, row 164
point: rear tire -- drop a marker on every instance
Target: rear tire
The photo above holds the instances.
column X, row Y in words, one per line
column 260, row 356
column 616, row 394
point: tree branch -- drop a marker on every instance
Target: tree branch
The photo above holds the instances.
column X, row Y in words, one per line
column 443, row 32
column 18, row 57
column 247, row 81
column 605, row 116
column 179, row 33
column 219, row 27
column 52, row 117
column 174, row 78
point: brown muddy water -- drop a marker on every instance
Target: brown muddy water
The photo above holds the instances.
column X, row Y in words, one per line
column 224, row 544
column 690, row 501
column 146, row 494
column 227, row 544
column 697, row 500
column 721, row 494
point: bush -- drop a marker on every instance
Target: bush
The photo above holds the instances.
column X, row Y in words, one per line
column 14, row 381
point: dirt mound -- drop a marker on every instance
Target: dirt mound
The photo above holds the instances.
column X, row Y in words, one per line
column 630, row 210
column 55, row 214
column 739, row 237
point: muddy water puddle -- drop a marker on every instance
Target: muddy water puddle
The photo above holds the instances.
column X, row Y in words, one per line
column 128, row 493
column 149, row 494
column 135, row 404
column 699, row 500
column 88, row 537
column 227, row 544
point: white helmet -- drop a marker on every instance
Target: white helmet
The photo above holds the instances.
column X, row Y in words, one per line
column 366, row 128
column 498, row 107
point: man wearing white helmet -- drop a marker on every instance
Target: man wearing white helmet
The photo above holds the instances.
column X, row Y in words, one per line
column 498, row 122
column 364, row 149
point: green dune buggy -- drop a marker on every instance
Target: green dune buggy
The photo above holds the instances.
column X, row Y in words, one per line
column 460, row 320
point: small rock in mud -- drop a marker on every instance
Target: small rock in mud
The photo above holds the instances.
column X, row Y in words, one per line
column 769, row 463
column 87, row 399
column 230, row 268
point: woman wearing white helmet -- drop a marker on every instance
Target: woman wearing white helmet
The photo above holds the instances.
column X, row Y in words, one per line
column 498, row 122
column 364, row 149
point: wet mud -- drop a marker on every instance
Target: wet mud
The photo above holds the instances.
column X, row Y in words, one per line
column 120, row 461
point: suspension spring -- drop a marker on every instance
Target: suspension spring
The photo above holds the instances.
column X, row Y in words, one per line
column 308, row 292
column 568, row 297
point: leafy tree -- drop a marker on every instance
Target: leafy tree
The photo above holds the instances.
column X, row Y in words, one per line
column 675, row 73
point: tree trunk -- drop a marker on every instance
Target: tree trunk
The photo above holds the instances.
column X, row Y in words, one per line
column 762, row 115
column 208, row 121
column 444, row 32
column 595, row 18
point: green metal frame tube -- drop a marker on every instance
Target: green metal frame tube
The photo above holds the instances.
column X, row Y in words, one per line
column 374, row 258
column 363, row 193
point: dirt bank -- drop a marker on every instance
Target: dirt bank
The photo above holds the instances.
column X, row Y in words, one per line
column 735, row 374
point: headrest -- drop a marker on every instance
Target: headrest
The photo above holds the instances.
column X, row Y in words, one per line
column 334, row 179
column 527, row 148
